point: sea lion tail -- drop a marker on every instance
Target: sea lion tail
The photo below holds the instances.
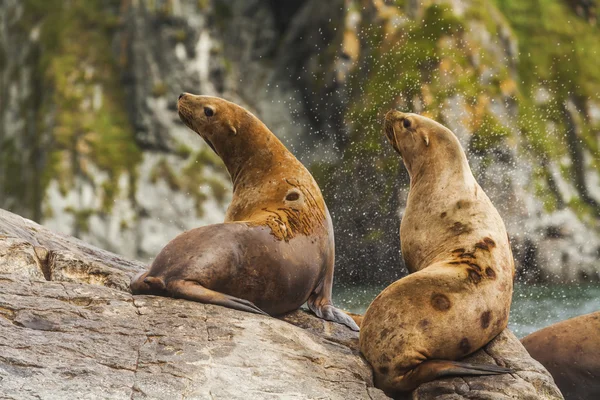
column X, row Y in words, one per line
column 435, row 369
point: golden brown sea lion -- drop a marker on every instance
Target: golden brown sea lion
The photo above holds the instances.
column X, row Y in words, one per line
column 455, row 245
column 275, row 250
column 570, row 351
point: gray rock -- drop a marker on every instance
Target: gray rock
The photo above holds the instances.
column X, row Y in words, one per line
column 69, row 328
column 69, row 340
column 27, row 248
column 529, row 381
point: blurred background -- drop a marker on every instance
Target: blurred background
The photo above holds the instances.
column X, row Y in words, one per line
column 91, row 144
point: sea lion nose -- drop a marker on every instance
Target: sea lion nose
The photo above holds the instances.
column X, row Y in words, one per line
column 181, row 95
column 393, row 114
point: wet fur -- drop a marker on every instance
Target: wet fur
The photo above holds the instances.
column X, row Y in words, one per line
column 275, row 249
column 454, row 243
column 570, row 351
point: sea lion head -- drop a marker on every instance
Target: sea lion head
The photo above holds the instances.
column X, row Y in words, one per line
column 216, row 120
column 407, row 133
column 416, row 138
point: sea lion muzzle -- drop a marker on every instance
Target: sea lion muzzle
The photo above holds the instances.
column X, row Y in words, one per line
column 388, row 128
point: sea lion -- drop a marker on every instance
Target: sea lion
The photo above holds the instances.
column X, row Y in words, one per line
column 455, row 245
column 355, row 317
column 275, row 250
column 570, row 351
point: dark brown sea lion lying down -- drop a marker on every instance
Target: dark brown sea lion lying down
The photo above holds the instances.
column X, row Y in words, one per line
column 570, row 351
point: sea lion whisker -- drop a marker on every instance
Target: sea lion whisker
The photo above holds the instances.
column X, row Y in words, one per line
column 396, row 139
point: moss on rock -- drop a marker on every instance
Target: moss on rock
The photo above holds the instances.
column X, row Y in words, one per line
column 204, row 170
column 80, row 74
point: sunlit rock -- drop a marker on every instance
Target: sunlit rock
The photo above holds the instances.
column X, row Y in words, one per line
column 69, row 328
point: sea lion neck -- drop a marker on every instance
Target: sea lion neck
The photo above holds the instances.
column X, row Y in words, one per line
column 254, row 154
column 250, row 151
column 440, row 168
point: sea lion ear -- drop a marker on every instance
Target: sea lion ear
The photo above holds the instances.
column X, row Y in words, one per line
column 426, row 139
column 232, row 129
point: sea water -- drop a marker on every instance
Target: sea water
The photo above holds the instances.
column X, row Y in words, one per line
column 533, row 307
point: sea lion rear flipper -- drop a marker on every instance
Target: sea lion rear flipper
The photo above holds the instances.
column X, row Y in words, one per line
column 435, row 369
column 191, row 290
column 330, row 313
column 355, row 317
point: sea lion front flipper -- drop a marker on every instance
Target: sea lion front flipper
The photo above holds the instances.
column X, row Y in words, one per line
column 191, row 290
column 329, row 312
column 137, row 284
column 434, row 369
column 144, row 284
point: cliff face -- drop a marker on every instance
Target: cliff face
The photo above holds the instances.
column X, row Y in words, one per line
column 91, row 144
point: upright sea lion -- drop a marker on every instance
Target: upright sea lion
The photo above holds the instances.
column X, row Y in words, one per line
column 455, row 245
column 275, row 250
column 570, row 351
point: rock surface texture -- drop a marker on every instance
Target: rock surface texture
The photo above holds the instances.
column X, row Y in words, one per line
column 69, row 328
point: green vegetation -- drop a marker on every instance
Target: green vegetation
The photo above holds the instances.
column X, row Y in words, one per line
column 415, row 64
column 180, row 35
column 203, row 4
column 420, row 60
column 82, row 218
column 419, row 65
column 533, row 56
column 195, row 176
column 159, row 89
column 163, row 171
column 80, row 73
column 540, row 179
column 80, row 80
column 489, row 134
column 404, row 63
column 222, row 12
column 557, row 48
column 561, row 53
column 11, row 168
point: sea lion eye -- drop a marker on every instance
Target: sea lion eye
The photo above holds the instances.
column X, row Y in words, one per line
column 208, row 112
column 406, row 123
column 292, row 196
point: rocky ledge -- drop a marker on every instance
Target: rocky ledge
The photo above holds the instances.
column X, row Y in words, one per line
column 69, row 328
